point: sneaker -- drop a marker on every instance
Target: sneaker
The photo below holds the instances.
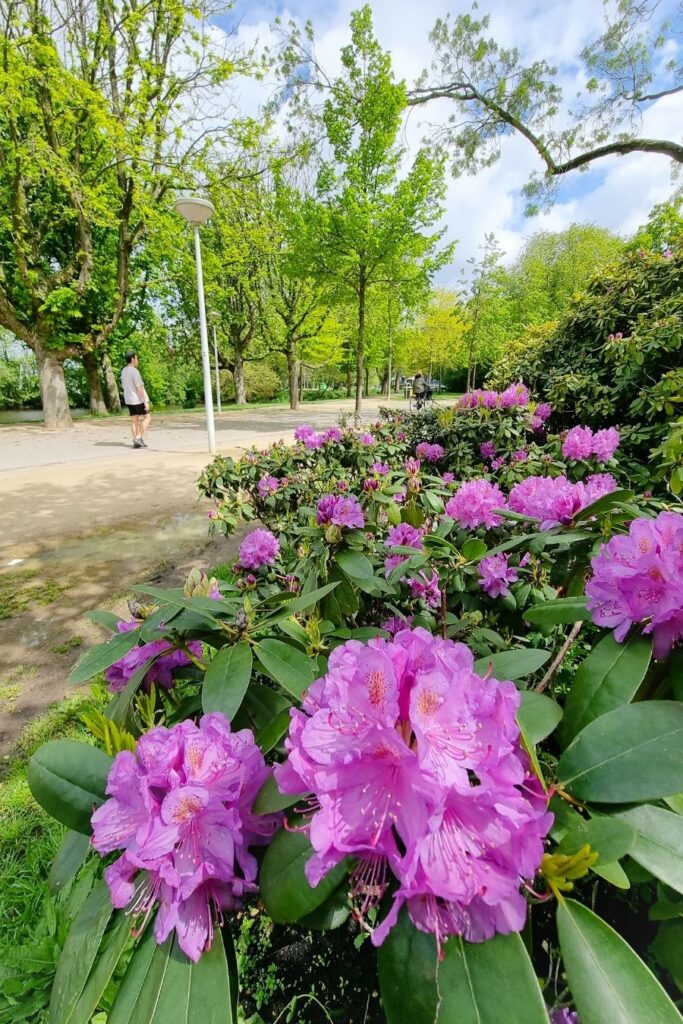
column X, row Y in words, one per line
column 143, row 443
column 137, row 444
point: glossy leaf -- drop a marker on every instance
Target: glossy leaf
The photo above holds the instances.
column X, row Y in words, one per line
column 110, row 952
column 69, row 859
column 285, row 891
column 473, row 549
column 103, row 618
column 469, row 986
column 329, row 915
column 630, row 754
column 289, row 666
column 98, row 658
column 512, row 664
column 226, row 679
column 161, row 986
column 68, row 780
column 538, row 715
column 269, row 798
column 79, row 953
column 355, row 564
column 607, row 679
column 658, row 842
column 610, row 838
column 604, row 504
column 608, row 981
column 272, row 733
column 301, row 603
column 563, row 609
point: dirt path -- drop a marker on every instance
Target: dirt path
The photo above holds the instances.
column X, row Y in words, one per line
column 83, row 517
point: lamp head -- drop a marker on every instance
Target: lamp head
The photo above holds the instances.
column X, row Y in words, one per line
column 193, row 209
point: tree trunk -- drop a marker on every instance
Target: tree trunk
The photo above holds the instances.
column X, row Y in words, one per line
column 293, row 375
column 92, row 373
column 238, row 377
column 367, row 381
column 360, row 346
column 111, row 390
column 349, row 384
column 53, row 396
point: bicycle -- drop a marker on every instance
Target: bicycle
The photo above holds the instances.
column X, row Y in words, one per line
column 419, row 403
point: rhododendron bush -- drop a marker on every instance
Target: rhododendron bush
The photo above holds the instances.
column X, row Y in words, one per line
column 434, row 704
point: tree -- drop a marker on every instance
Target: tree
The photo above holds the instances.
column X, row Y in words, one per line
column 364, row 218
column 496, row 94
column 437, row 340
column 94, row 102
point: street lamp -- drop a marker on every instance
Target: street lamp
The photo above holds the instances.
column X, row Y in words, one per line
column 196, row 212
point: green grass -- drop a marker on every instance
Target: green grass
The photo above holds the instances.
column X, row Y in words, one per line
column 18, row 590
column 29, row 838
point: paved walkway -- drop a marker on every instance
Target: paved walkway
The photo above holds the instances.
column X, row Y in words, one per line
column 56, row 484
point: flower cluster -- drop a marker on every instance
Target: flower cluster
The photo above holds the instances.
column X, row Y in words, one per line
column 581, row 443
column 268, row 485
column 429, row 452
column 495, row 575
column 160, row 673
column 380, row 468
column 426, row 588
column 401, row 536
column 516, row 396
column 337, row 510
column 638, row 578
column 417, row 769
column 555, row 500
column 260, row 547
column 487, row 450
column 367, row 439
column 474, row 504
column 180, row 808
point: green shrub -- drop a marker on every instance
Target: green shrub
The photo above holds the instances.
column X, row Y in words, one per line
column 261, row 382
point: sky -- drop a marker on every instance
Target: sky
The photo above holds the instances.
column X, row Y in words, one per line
column 616, row 193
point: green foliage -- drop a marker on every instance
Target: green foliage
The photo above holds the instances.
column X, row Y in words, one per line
column 614, row 356
column 261, row 383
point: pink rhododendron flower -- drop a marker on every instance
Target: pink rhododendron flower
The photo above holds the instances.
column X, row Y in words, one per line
column 313, row 441
column 260, row 547
column 578, row 444
column 474, row 504
column 429, row 452
column 333, row 435
column 543, row 411
column 367, row 439
column 536, row 423
column 638, row 578
column 497, row 463
column 495, row 575
column 340, row 511
column 158, row 674
column 395, row 624
column 426, row 588
column 268, row 485
column 303, row 431
column 605, row 443
column 448, row 478
column 418, row 772
column 521, row 455
column 412, row 466
column 180, row 808
column 401, row 536
column 399, row 497
column 381, row 468
column 556, row 500
column 487, row 449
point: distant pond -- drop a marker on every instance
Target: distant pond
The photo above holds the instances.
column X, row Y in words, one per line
column 31, row 415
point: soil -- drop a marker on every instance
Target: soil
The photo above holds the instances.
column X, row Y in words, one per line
column 83, row 517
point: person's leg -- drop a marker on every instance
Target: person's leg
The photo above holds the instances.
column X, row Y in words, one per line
column 144, row 422
column 135, row 428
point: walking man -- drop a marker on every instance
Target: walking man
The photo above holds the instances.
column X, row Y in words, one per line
column 136, row 399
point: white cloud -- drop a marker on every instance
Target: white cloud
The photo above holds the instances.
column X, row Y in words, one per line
column 617, row 194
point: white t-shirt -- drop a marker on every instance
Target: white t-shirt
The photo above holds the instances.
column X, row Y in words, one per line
column 130, row 380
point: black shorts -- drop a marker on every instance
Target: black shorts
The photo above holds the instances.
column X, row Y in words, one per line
column 136, row 410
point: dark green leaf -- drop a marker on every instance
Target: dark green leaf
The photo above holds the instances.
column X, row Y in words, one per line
column 289, row 666
column 70, row 858
column 110, row 952
column 610, row 838
column 271, row 734
column 68, row 780
column 473, row 549
column 630, row 754
column 469, row 986
column 119, row 707
column 284, row 888
column 354, row 564
column 658, row 842
column 607, row 679
column 78, row 955
column 608, row 981
column 538, row 715
column 269, row 798
column 332, row 914
column 604, row 504
column 563, row 609
column 161, row 986
column 103, row 618
column 226, row 680
column 512, row 664
column 98, row 658
column 299, row 604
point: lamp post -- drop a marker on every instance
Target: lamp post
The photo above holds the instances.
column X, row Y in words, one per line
column 218, row 372
column 196, row 212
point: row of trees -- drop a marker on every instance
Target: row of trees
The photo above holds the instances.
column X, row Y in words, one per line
column 323, row 251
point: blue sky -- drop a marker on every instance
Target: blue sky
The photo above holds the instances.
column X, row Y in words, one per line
column 617, row 193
